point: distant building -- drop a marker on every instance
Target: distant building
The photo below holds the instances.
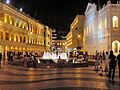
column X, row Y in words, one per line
column 74, row 38
column 60, row 45
column 48, row 38
column 54, row 36
column 102, row 28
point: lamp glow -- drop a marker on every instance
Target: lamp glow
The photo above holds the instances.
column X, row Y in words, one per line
column 78, row 36
column 21, row 9
column 7, row 1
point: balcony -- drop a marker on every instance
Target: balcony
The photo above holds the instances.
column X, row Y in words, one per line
column 13, row 29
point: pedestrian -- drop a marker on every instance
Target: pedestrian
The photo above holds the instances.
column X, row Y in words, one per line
column 112, row 66
column 103, row 56
column 106, row 62
column 0, row 58
column 118, row 58
column 96, row 55
column 97, row 61
column 11, row 56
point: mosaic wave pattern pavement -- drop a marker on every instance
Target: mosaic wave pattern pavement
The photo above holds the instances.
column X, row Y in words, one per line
column 86, row 78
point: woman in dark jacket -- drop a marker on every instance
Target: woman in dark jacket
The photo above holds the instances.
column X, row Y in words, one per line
column 112, row 66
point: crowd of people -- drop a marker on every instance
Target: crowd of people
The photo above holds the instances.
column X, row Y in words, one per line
column 110, row 61
column 30, row 58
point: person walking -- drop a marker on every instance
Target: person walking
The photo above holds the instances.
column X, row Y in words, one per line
column 97, row 61
column 106, row 62
column 11, row 56
column 118, row 58
column 0, row 58
column 112, row 66
column 96, row 55
column 103, row 54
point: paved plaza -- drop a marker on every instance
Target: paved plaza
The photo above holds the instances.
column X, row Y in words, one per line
column 83, row 78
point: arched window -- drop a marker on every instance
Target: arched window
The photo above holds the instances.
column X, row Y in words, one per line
column 115, row 46
column 10, row 19
column 115, row 21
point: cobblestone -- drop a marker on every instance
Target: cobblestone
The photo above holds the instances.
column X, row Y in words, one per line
column 83, row 78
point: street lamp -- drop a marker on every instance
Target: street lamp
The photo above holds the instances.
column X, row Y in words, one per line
column 7, row 1
column 78, row 36
column 21, row 9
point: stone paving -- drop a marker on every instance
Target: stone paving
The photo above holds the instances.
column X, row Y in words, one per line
column 83, row 78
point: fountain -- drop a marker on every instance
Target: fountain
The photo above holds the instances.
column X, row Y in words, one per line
column 54, row 56
column 51, row 60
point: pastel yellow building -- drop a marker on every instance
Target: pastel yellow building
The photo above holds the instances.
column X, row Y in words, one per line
column 19, row 32
column 48, row 38
column 74, row 38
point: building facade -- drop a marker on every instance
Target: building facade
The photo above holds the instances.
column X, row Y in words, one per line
column 19, row 32
column 74, row 38
column 54, row 36
column 48, row 38
column 60, row 45
column 102, row 28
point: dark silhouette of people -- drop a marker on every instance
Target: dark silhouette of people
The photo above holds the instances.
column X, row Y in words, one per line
column 112, row 66
column 118, row 58
column 0, row 58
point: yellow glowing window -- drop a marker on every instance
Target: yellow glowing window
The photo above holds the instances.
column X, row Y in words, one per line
column 105, row 23
column 100, row 25
column 5, row 18
column 10, row 19
column 12, row 37
column 115, row 21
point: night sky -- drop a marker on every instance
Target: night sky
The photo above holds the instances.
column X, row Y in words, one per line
column 56, row 14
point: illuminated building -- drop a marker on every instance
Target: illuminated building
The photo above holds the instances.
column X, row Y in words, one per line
column 101, row 28
column 48, row 38
column 19, row 31
column 54, row 36
column 60, row 45
column 74, row 38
